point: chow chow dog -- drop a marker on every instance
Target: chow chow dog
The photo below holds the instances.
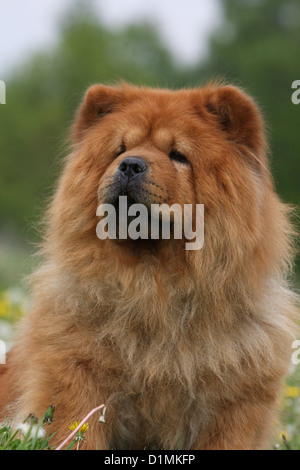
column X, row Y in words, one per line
column 187, row 349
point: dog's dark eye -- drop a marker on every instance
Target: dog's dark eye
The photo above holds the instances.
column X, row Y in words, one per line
column 178, row 157
column 122, row 149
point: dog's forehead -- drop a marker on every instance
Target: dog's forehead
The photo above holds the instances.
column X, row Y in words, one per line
column 161, row 130
column 163, row 101
column 159, row 114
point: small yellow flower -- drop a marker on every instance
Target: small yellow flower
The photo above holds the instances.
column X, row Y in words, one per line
column 83, row 428
column 283, row 436
column 11, row 306
column 5, row 305
column 291, row 392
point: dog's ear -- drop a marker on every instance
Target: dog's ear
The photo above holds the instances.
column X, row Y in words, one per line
column 237, row 115
column 99, row 100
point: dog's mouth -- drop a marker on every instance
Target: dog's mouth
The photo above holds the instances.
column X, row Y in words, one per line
column 130, row 220
column 124, row 202
column 133, row 217
column 130, row 211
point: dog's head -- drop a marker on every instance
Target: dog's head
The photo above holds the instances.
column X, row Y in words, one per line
column 200, row 146
column 159, row 146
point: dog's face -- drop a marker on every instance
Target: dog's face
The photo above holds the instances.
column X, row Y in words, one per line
column 158, row 146
column 144, row 146
column 199, row 146
column 183, row 147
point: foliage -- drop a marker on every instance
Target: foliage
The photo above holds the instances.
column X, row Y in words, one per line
column 32, row 433
column 30, row 439
column 290, row 414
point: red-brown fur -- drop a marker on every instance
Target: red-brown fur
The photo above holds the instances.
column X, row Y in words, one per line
column 186, row 348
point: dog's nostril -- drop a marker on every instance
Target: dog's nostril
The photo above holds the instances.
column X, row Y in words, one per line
column 131, row 166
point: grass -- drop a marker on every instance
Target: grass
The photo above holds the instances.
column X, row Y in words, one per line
column 30, row 438
column 289, row 437
column 32, row 434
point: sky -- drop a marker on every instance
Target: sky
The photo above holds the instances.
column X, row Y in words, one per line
column 32, row 25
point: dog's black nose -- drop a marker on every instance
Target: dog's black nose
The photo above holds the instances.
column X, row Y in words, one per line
column 131, row 167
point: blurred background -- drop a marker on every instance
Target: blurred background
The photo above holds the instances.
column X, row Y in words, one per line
column 51, row 51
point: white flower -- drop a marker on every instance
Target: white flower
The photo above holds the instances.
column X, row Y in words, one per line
column 35, row 431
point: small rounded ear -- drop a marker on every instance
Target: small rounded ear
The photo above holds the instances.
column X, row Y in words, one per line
column 237, row 115
column 99, row 100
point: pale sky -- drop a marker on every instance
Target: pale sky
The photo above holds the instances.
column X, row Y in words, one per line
column 31, row 25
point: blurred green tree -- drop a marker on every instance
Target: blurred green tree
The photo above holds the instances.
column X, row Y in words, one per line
column 257, row 48
column 43, row 93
